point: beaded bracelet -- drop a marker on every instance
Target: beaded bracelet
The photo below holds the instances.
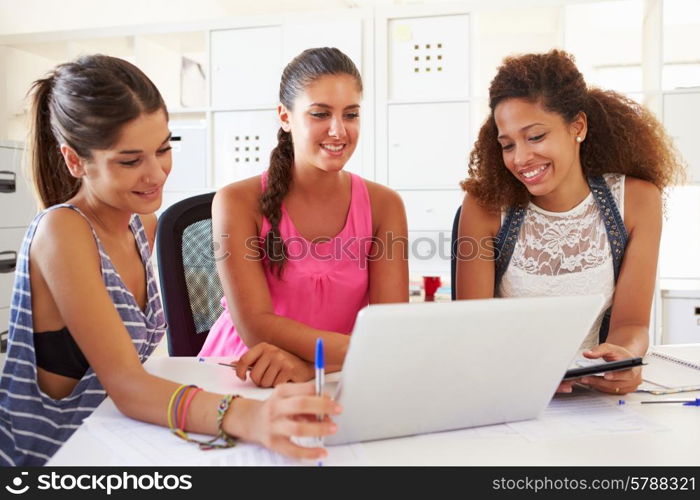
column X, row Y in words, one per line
column 228, row 440
column 177, row 416
column 224, row 405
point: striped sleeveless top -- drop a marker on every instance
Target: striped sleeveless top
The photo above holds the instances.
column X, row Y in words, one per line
column 33, row 425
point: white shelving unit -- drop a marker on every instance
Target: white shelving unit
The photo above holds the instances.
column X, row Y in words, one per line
column 424, row 120
column 425, row 68
column 17, row 209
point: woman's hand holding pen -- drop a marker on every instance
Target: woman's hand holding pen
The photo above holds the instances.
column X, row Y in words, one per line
column 619, row 382
column 291, row 410
column 270, row 366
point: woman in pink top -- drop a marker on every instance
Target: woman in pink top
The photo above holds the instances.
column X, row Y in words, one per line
column 308, row 245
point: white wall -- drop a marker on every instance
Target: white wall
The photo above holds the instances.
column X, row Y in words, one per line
column 531, row 29
column 35, row 16
column 594, row 33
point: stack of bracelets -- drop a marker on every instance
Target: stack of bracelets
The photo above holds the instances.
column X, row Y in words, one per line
column 177, row 417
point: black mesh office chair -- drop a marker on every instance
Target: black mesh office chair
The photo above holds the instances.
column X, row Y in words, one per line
column 453, row 253
column 189, row 283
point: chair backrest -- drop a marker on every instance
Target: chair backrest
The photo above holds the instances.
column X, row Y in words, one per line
column 453, row 253
column 189, row 284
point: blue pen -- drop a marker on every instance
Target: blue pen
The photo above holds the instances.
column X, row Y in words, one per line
column 320, row 365
column 686, row 402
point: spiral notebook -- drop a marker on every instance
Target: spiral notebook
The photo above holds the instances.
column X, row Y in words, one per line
column 672, row 368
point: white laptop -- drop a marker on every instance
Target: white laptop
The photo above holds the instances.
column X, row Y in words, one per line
column 418, row 368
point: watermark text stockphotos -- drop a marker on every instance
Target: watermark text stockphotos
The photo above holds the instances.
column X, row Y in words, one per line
column 103, row 482
column 369, row 249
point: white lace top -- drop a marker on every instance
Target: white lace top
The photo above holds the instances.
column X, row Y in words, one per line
column 565, row 253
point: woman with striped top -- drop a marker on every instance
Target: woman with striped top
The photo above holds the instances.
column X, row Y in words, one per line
column 85, row 311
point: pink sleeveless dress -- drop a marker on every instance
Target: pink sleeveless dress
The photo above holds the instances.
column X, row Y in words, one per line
column 323, row 285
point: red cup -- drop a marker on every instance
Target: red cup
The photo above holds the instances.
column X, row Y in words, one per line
column 430, row 285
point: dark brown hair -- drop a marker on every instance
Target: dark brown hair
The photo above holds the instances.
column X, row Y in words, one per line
column 623, row 136
column 300, row 72
column 83, row 104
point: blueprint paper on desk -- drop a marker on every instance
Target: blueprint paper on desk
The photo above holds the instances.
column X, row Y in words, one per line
column 141, row 444
column 583, row 415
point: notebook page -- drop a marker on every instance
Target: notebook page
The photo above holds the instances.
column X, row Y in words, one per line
column 141, row 444
column 580, row 415
column 685, row 353
column 683, row 371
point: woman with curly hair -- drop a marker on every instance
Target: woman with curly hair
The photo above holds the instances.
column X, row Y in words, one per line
column 565, row 197
column 307, row 241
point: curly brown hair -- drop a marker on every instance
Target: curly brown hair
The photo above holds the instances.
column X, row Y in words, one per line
column 623, row 136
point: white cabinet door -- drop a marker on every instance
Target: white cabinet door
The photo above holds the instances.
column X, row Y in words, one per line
column 17, row 204
column 429, row 58
column 246, row 67
column 428, row 145
column 4, row 320
column 343, row 35
column 681, row 317
column 429, row 253
column 10, row 242
column 431, row 210
column 189, row 143
column 681, row 113
column 243, row 141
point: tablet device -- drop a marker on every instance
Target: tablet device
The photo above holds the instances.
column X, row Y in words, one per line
column 598, row 368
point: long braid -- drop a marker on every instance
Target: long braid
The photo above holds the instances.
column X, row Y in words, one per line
column 300, row 72
column 279, row 180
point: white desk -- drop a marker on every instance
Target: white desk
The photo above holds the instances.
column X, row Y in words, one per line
column 676, row 443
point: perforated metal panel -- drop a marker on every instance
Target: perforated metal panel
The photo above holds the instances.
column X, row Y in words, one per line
column 429, row 58
column 243, row 142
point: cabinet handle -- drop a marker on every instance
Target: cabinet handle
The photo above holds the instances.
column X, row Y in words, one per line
column 8, row 262
column 3, row 342
column 8, row 184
